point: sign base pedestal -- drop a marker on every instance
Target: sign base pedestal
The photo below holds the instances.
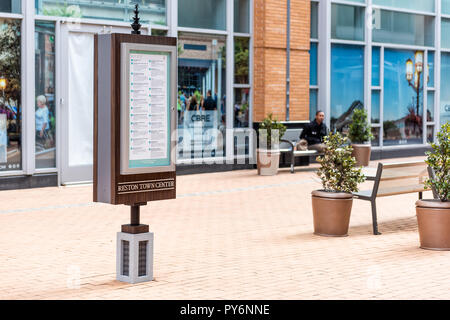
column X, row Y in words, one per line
column 134, row 262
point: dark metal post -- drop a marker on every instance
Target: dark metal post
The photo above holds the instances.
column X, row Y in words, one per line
column 136, row 25
column 135, row 215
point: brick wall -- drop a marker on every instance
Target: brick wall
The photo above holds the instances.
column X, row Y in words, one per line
column 269, row 83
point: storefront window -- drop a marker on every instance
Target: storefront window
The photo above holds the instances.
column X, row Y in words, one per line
column 403, row 97
column 10, row 96
column 347, row 83
column 201, row 96
column 445, row 39
column 151, row 11
column 430, row 69
column 203, row 14
column 347, row 22
column 430, row 106
column 45, row 95
column 445, row 88
column 241, row 60
column 313, row 64
column 241, row 107
column 10, row 6
column 376, row 66
column 417, row 5
column 445, row 6
column 375, row 108
column 314, row 20
column 312, row 104
column 405, row 28
column 242, row 16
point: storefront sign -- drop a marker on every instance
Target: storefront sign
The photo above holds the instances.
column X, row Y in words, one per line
column 135, row 117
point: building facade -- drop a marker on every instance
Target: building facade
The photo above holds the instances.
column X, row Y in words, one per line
column 239, row 60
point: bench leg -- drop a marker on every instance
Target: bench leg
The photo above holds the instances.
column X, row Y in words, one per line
column 374, row 218
column 292, row 162
column 420, row 195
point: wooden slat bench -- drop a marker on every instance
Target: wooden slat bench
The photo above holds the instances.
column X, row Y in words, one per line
column 288, row 143
column 394, row 179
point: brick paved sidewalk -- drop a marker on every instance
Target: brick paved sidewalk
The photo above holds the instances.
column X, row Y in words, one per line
column 232, row 235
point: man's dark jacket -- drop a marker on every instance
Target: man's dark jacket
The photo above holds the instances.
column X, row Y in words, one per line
column 209, row 104
column 314, row 132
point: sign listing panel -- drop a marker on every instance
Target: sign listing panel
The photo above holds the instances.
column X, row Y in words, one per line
column 146, row 112
column 149, row 109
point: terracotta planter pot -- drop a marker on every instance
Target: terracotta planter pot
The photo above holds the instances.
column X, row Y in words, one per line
column 362, row 154
column 433, row 217
column 331, row 213
column 268, row 162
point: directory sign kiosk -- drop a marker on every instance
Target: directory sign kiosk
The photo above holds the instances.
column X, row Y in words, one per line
column 135, row 101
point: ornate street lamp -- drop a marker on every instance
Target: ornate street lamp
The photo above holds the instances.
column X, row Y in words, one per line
column 3, row 85
column 419, row 61
column 414, row 72
column 409, row 70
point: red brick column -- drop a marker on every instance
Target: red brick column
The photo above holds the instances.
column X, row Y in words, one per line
column 269, row 83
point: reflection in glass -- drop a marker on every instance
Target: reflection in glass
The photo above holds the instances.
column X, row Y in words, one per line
column 375, row 108
column 45, row 95
column 376, row 66
column 10, row 94
column 347, row 22
column 203, row 14
column 405, row 28
column 445, row 6
column 10, row 6
column 241, row 107
column 313, row 64
column 445, row 88
column 241, row 60
column 430, row 134
column 242, row 16
column 312, row 104
column 417, row 5
column 314, row 20
column 403, row 97
column 347, row 83
column 430, row 106
column 445, row 39
column 376, row 136
column 201, row 95
column 151, row 11
column 430, row 69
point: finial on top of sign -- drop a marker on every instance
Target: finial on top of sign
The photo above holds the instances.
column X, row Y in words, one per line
column 136, row 25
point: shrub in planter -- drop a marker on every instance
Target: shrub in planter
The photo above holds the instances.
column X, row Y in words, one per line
column 268, row 153
column 340, row 177
column 433, row 216
column 360, row 135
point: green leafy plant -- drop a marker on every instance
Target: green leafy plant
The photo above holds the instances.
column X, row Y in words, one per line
column 270, row 132
column 359, row 128
column 439, row 161
column 337, row 167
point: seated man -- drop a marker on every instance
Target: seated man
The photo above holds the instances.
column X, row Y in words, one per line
column 314, row 133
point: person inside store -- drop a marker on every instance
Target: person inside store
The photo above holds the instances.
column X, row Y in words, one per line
column 42, row 119
column 209, row 104
column 313, row 134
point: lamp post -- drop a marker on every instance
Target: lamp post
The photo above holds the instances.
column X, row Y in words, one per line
column 414, row 72
column 3, row 86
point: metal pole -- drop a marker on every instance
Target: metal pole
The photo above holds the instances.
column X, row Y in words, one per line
column 135, row 215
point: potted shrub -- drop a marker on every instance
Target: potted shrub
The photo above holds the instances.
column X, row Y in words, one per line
column 268, row 153
column 433, row 216
column 360, row 135
column 340, row 177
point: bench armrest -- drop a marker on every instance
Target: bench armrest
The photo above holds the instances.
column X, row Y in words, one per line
column 290, row 143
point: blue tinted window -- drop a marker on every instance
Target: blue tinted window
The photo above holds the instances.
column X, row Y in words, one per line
column 446, row 6
column 418, row 5
column 347, row 83
column 313, row 65
column 445, row 88
column 375, row 66
column 375, row 113
column 312, row 104
column 431, row 69
column 445, row 38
